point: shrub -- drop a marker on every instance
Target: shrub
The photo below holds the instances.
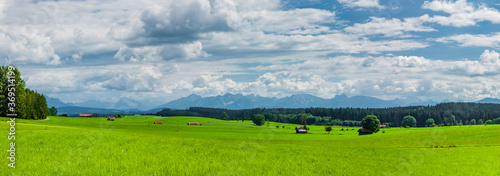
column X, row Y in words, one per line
column 480, row 122
column 383, row 131
column 64, row 115
column 119, row 116
column 489, row 122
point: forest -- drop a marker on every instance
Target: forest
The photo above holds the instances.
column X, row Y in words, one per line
column 444, row 114
column 15, row 98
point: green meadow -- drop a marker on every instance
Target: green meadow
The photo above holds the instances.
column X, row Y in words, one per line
column 135, row 146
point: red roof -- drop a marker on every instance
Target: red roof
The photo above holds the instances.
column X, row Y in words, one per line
column 193, row 123
column 85, row 115
column 382, row 126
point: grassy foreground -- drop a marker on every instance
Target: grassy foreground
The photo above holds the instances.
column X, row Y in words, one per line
column 135, row 146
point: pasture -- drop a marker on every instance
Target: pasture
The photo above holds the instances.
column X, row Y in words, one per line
column 135, row 146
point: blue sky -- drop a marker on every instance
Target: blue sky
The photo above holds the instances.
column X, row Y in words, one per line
column 164, row 50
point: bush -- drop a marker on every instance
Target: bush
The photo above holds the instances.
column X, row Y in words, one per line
column 409, row 121
column 383, row 131
column 119, row 116
column 64, row 115
column 259, row 119
column 371, row 122
column 480, row 122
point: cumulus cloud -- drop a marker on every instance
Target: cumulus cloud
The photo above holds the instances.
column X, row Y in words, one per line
column 24, row 47
column 179, row 22
column 489, row 57
column 361, row 4
column 462, row 13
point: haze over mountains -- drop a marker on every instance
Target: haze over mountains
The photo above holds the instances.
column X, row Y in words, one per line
column 238, row 101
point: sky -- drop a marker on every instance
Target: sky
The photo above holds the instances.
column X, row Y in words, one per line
column 150, row 50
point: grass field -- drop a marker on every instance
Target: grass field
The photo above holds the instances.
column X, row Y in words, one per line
column 135, row 146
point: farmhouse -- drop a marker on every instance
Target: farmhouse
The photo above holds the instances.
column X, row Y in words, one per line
column 193, row 123
column 383, row 126
column 85, row 115
column 300, row 129
column 158, row 122
column 111, row 119
column 363, row 131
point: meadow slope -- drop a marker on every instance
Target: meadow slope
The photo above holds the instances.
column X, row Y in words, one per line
column 135, row 146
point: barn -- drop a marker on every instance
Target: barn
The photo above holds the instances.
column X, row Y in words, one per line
column 158, row 122
column 383, row 126
column 363, row 131
column 85, row 115
column 193, row 123
column 111, row 119
column 300, row 129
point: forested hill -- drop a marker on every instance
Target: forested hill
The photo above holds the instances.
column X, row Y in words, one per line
column 443, row 113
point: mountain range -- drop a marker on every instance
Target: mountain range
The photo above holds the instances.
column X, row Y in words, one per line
column 239, row 101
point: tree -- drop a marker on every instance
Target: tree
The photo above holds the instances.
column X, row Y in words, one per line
column 94, row 115
column 259, row 119
column 472, row 122
column 430, row 122
column 409, row 121
column 64, row 115
column 371, row 122
column 489, row 122
column 224, row 116
column 119, row 116
column 328, row 129
column 480, row 122
column 53, row 111
column 304, row 120
column 267, row 122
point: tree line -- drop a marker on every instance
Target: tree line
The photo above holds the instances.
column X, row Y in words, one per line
column 26, row 103
column 443, row 114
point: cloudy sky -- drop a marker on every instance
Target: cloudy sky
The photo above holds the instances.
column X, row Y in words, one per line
column 163, row 50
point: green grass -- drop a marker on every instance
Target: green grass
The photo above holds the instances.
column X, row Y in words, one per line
column 135, row 146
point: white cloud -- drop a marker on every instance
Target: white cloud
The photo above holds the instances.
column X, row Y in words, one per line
column 162, row 52
column 389, row 27
column 362, row 3
column 24, row 47
column 474, row 40
column 489, row 57
column 462, row 13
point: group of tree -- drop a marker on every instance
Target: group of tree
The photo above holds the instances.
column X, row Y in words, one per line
column 444, row 114
column 26, row 103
